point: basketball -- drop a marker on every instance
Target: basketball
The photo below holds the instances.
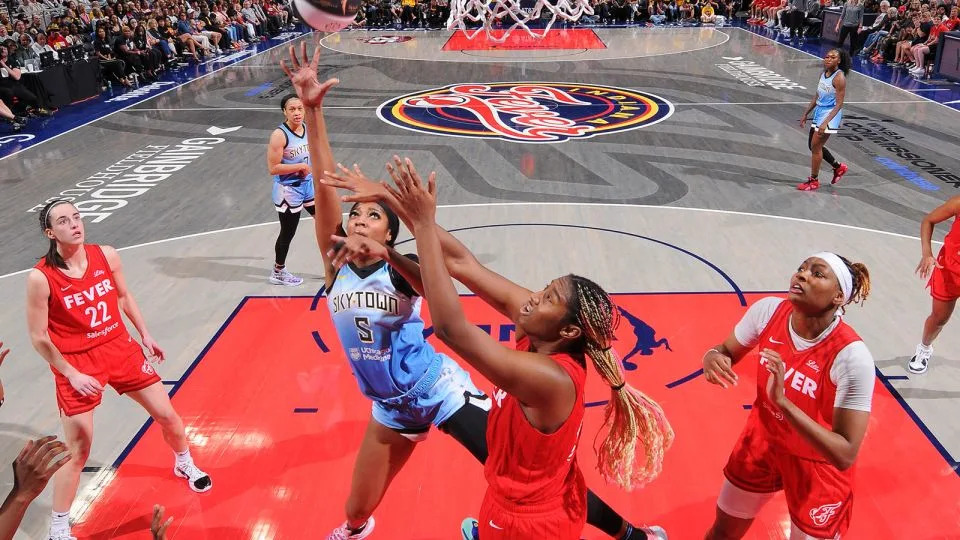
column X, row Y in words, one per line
column 327, row 15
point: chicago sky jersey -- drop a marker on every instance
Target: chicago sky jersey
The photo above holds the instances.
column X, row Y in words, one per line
column 380, row 330
column 295, row 152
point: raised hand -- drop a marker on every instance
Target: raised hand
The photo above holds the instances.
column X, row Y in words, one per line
column 304, row 76
column 418, row 203
column 158, row 527
column 353, row 247
column 718, row 369
column 775, row 383
column 363, row 188
column 36, row 464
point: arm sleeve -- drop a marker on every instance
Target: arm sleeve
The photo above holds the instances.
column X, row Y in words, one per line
column 750, row 327
column 401, row 284
column 854, row 374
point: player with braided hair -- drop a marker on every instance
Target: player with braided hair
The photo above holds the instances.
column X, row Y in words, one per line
column 814, row 389
column 535, row 487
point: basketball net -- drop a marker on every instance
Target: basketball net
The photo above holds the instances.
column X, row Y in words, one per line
column 508, row 16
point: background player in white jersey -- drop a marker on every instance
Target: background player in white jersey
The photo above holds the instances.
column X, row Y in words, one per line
column 288, row 160
column 814, row 388
column 827, row 108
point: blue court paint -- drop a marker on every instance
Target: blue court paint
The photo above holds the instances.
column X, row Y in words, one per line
column 319, row 341
column 916, row 419
column 685, row 379
column 258, row 89
column 306, row 410
column 907, row 173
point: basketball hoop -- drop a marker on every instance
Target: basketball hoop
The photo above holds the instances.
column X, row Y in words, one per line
column 509, row 15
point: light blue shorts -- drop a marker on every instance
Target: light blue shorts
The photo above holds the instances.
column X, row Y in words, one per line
column 435, row 406
column 292, row 198
column 820, row 113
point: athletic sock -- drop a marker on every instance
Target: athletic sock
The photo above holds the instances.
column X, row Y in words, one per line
column 60, row 522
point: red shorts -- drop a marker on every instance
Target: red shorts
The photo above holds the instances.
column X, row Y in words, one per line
column 819, row 496
column 119, row 362
column 944, row 283
column 556, row 521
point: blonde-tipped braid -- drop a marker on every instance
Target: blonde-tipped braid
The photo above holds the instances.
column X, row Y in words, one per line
column 630, row 416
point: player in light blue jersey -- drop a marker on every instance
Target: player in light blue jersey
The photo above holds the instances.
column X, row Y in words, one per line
column 827, row 108
column 374, row 301
column 288, row 160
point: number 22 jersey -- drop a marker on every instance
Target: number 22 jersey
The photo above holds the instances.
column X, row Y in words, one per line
column 84, row 312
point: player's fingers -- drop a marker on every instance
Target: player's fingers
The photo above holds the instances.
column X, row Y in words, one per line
column 294, row 63
column 3, row 353
column 316, row 56
column 286, row 70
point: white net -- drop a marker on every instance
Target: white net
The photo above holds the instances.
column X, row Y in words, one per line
column 499, row 18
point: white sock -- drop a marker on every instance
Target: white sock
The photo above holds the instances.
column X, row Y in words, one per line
column 926, row 348
column 183, row 457
column 60, row 522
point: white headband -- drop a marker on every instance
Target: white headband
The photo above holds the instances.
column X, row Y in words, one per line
column 841, row 271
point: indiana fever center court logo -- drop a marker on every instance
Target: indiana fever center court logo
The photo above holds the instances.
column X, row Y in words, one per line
column 526, row 112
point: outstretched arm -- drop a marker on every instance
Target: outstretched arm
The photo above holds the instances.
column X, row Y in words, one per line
column 311, row 93
column 502, row 294
column 534, row 379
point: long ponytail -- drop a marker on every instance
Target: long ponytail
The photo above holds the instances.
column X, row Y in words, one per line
column 633, row 422
column 52, row 257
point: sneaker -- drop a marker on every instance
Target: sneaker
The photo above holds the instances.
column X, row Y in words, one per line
column 810, row 185
column 918, row 364
column 282, row 277
column 470, row 529
column 838, row 173
column 199, row 481
column 343, row 533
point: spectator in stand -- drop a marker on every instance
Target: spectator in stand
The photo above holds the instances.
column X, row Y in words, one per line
column 863, row 34
column 25, row 52
column 11, row 87
column 200, row 28
column 953, row 22
column 54, row 38
column 135, row 59
column 929, row 46
column 20, row 29
column 84, row 18
column 250, row 15
column 239, row 17
column 210, row 23
column 113, row 68
column 870, row 47
column 41, row 46
column 271, row 23
column 153, row 56
column 658, row 12
column 708, row 14
column 16, row 122
column 32, row 10
column 4, row 35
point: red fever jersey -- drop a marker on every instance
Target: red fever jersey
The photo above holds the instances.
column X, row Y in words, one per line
column 527, row 468
column 807, row 381
column 83, row 312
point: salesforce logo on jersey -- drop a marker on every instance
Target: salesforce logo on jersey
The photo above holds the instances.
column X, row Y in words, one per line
column 370, row 354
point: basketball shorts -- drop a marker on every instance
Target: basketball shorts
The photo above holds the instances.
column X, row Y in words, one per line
column 556, row 521
column 119, row 363
column 944, row 283
column 435, row 405
column 292, row 198
column 819, row 496
column 820, row 114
